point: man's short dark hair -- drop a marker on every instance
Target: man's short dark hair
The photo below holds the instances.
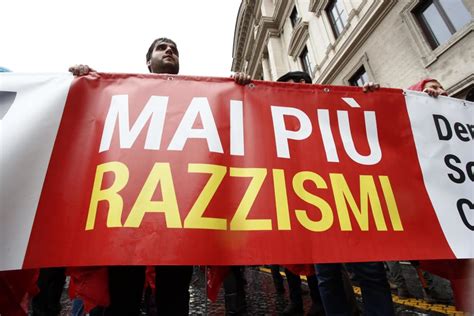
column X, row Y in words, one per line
column 152, row 46
column 296, row 76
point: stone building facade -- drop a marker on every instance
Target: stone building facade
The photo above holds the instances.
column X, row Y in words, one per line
column 393, row 42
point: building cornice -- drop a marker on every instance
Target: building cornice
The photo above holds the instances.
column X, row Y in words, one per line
column 461, row 85
column 298, row 38
column 317, row 6
column 243, row 27
column 267, row 26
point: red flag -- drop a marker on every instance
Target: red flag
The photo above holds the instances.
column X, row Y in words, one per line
column 16, row 289
column 215, row 278
column 301, row 269
column 91, row 285
column 461, row 275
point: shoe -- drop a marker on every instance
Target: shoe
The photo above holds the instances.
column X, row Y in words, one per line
column 293, row 309
column 403, row 292
column 427, row 297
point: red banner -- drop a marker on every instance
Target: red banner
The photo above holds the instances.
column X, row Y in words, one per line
column 198, row 174
column 153, row 169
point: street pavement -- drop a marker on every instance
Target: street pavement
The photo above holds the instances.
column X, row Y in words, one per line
column 262, row 298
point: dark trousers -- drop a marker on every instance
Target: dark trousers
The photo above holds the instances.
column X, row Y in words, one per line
column 50, row 284
column 126, row 284
column 372, row 279
column 125, row 288
column 277, row 278
column 234, row 287
column 314, row 289
column 172, row 289
column 294, row 285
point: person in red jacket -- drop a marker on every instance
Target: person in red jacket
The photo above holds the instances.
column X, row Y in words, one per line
column 429, row 85
column 459, row 272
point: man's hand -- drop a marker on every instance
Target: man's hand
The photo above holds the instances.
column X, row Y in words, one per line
column 241, row 78
column 370, row 87
column 81, row 70
column 434, row 92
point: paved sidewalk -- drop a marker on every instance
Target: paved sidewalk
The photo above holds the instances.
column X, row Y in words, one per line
column 262, row 298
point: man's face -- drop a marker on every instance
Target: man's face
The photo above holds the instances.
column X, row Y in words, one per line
column 164, row 59
column 295, row 81
column 435, row 86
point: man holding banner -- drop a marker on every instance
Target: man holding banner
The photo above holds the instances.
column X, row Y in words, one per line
column 126, row 283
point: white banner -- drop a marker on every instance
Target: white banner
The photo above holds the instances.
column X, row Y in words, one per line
column 31, row 107
column 443, row 129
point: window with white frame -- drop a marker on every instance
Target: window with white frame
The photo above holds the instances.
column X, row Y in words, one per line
column 440, row 19
column 359, row 78
column 294, row 17
column 337, row 16
column 306, row 61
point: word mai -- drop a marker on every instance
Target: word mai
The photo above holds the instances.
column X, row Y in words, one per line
column 155, row 112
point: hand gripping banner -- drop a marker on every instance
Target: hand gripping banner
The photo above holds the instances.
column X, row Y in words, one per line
column 156, row 169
